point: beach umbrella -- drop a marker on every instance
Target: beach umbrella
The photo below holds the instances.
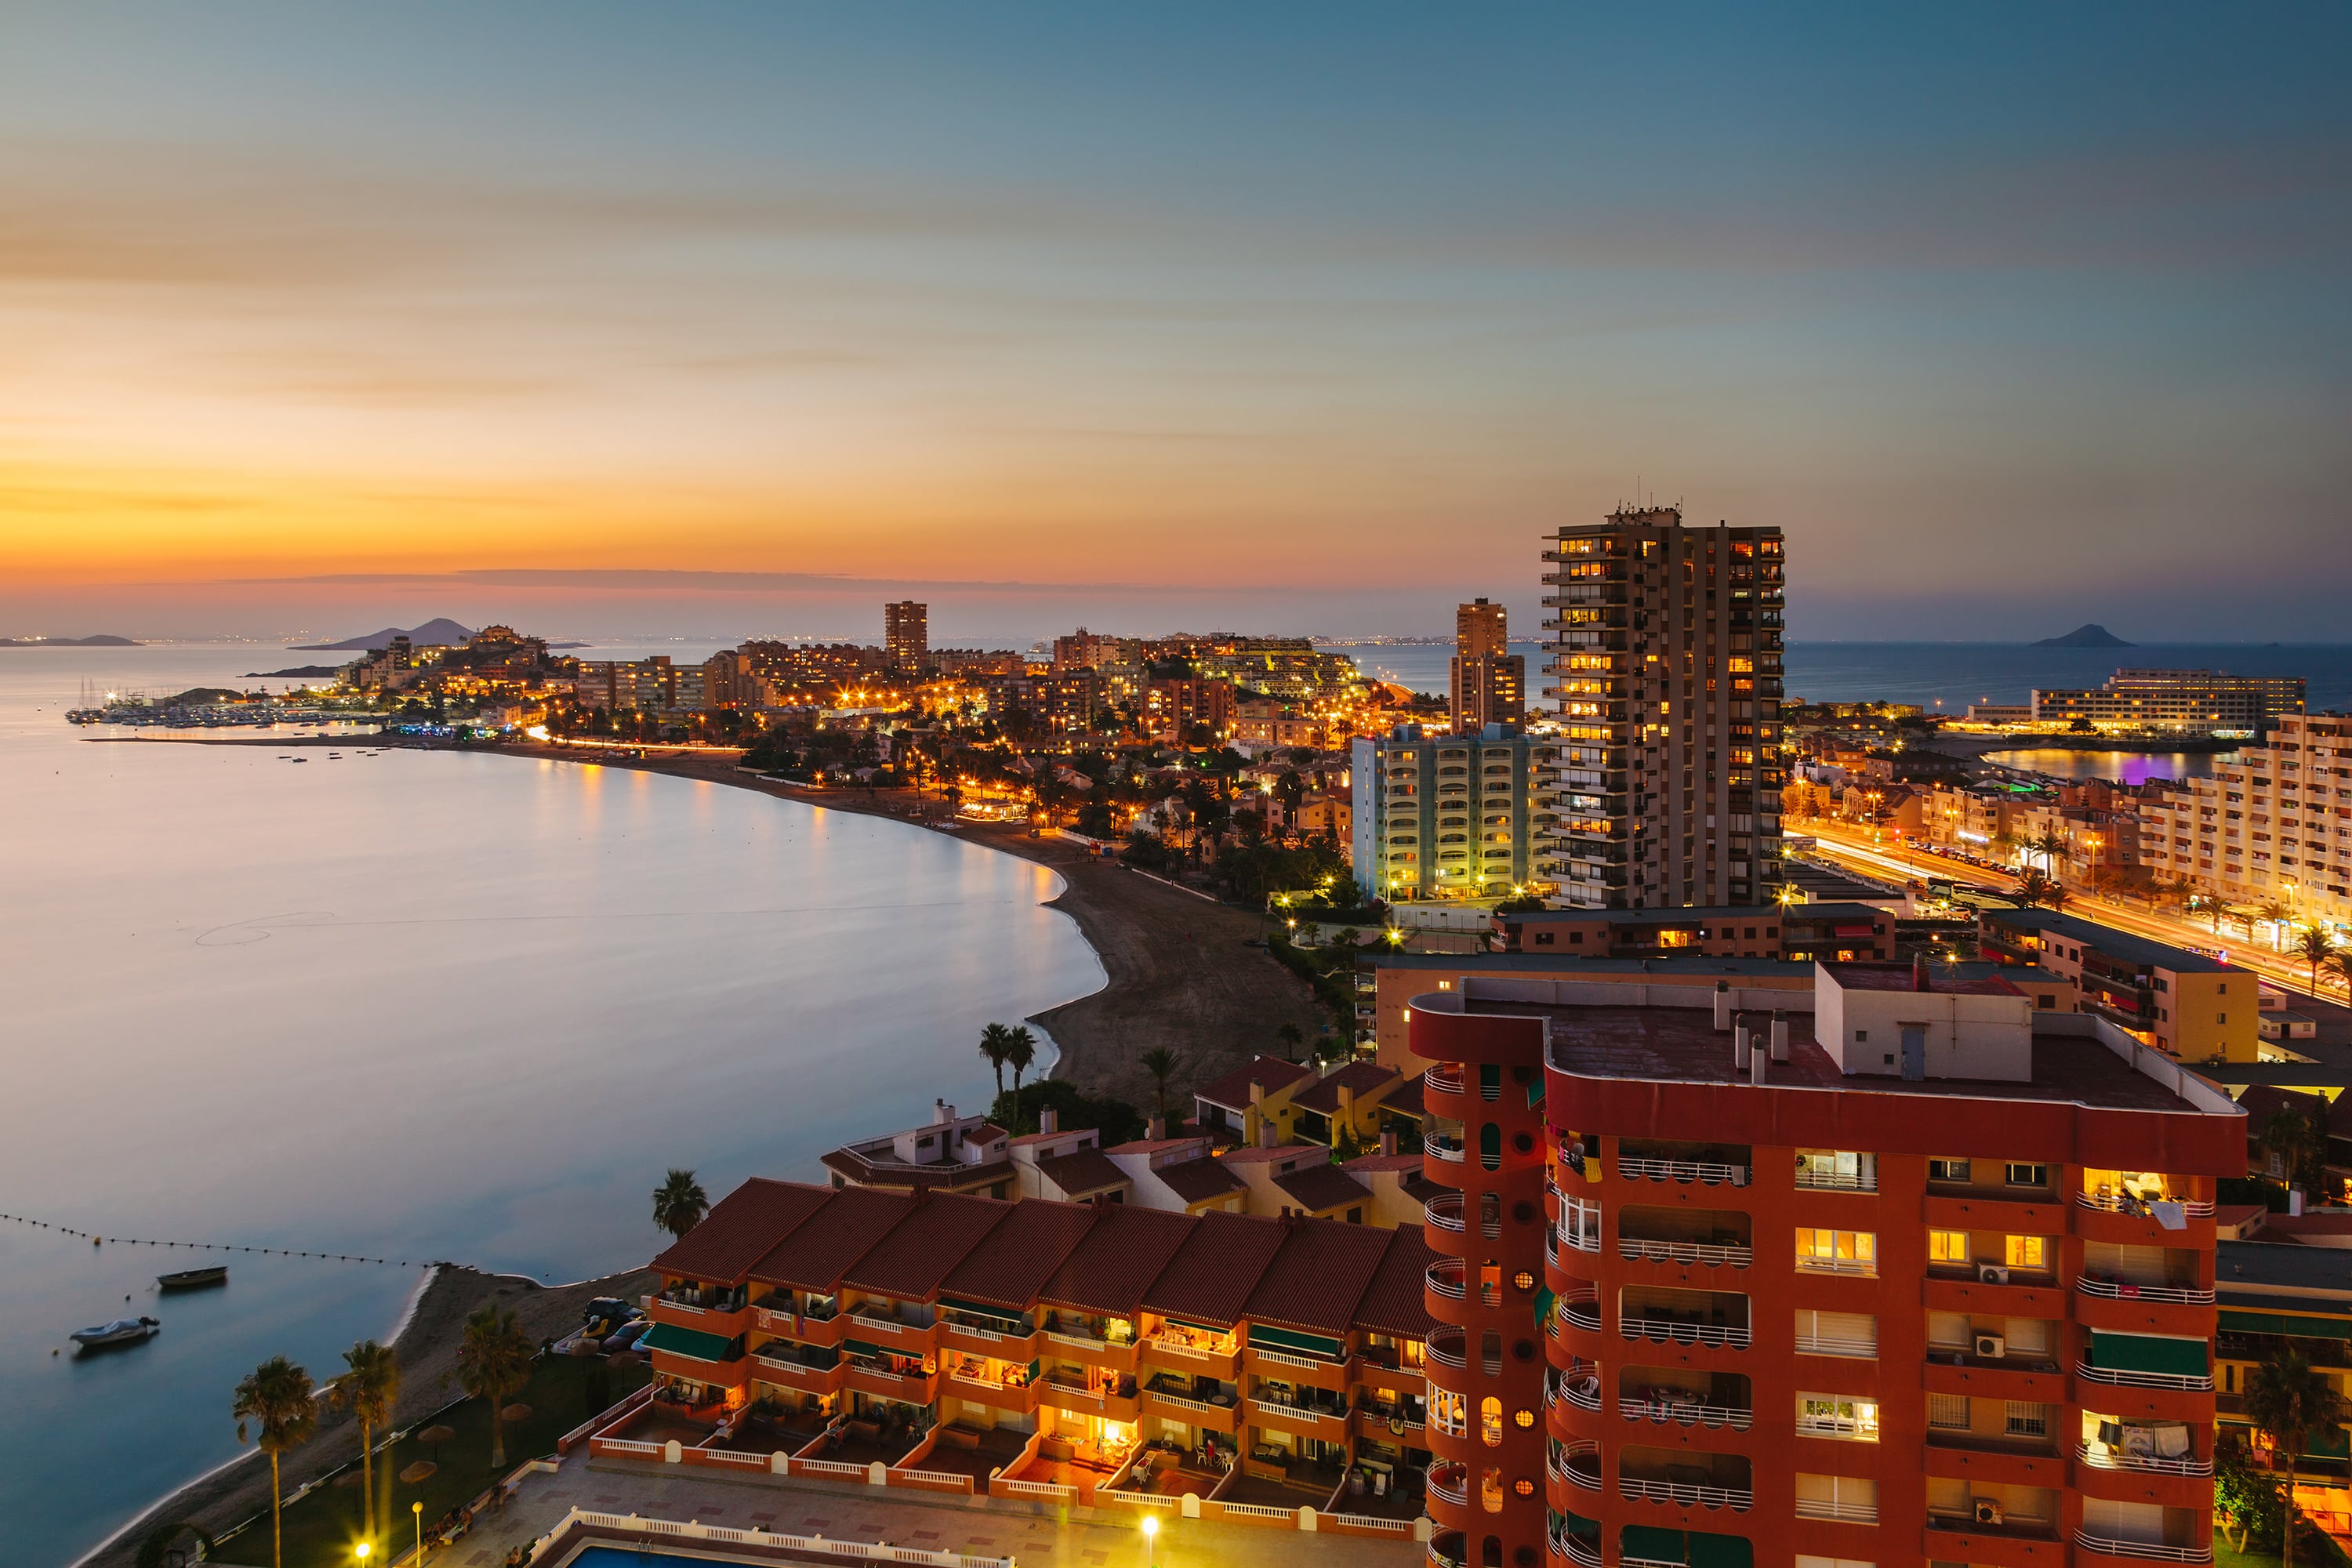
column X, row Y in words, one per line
column 435, row 1434
column 418, row 1471
column 516, row 1413
column 581, row 1346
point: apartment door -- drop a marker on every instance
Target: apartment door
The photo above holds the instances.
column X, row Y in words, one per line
column 1915, row 1053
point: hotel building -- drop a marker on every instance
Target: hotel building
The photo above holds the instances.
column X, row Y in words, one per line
column 2177, row 701
column 906, row 635
column 1489, row 682
column 1460, row 817
column 1901, row 1271
column 2273, row 824
column 1666, row 668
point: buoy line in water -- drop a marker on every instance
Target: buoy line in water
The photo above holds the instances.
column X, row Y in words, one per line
column 96, row 1240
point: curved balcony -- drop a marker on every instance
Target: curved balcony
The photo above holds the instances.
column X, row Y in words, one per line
column 1580, row 1386
column 1581, row 1312
column 1443, row 1211
column 2124, row 1290
column 2189, row 1382
column 1447, row 1550
column 1443, row 1146
column 2098, row 1459
column 1446, row 1278
column 2146, row 1550
column 1443, row 1079
column 1583, row 1550
column 1448, row 1346
column 1578, row 1464
column 1449, row 1482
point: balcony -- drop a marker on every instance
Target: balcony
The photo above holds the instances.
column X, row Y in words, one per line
column 1712, row 1238
column 2126, row 1290
column 1584, row 1551
column 1680, row 1478
column 1662, row 1396
column 1449, row 1482
column 1684, row 1317
column 1580, row 1386
column 1443, row 1146
column 1839, row 1512
column 1446, row 1550
column 1684, row 1165
column 1581, row 1312
column 2102, row 1459
column 1441, row 1078
column 1443, row 1211
column 2142, row 1550
column 1578, row 1464
column 2118, row 1378
column 2124, row 1203
column 1446, row 1348
column 1445, row 1278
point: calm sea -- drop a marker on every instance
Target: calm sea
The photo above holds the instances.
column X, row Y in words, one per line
column 416, row 1005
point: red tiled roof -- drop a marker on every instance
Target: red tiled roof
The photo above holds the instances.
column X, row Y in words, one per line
column 740, row 1229
column 1119, row 1257
column 1363, row 1079
column 1210, row 1276
column 1393, row 1302
column 815, row 1256
column 1153, row 1145
column 1279, row 1153
column 1198, row 1181
column 1376, row 1161
column 938, row 1232
column 862, row 1172
column 1316, row 1281
column 1083, row 1174
column 1405, row 1099
column 1021, row 1254
column 1233, row 1090
column 1320, row 1188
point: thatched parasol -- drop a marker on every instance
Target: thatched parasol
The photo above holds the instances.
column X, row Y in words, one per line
column 516, row 1413
column 435, row 1434
column 420, row 1470
column 583, row 1345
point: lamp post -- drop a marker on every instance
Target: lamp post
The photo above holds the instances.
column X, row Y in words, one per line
column 361, row 1552
column 417, row 1509
column 1151, row 1539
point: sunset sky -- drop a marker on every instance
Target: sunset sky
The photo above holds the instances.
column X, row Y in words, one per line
column 731, row 319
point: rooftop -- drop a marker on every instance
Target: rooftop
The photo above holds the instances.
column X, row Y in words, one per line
column 1553, row 963
column 1199, row 1181
column 1022, row 1255
column 740, row 1229
column 2241, row 1269
column 939, row 1230
column 1082, row 1173
column 1902, row 977
column 1318, row 1274
column 1317, row 1188
column 1271, row 1075
column 1363, row 1079
column 814, row 1255
column 1393, row 1301
column 1697, row 915
column 2122, row 946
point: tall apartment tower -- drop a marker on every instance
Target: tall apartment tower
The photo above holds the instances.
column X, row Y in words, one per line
column 1903, row 1271
column 1667, row 655
column 907, row 635
column 1490, row 681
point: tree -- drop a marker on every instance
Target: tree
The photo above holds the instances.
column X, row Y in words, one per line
column 2051, row 846
column 2035, row 887
column 276, row 1397
column 996, row 1045
column 2314, row 947
column 1290, row 1037
column 2290, row 1403
column 493, row 1363
column 2243, row 1497
column 1020, row 1051
column 2341, row 962
column 368, row 1391
column 679, row 1203
column 2287, row 1137
column 1160, row 1063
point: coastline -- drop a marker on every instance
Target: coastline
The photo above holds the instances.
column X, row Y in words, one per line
column 426, row 1343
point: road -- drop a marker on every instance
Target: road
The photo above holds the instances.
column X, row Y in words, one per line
column 1852, row 847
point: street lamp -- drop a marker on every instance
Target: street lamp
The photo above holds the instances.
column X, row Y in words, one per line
column 417, row 1509
column 362, row 1551
column 1151, row 1539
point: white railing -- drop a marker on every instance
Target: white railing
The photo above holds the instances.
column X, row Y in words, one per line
column 2155, row 1551
column 1452, row 1352
column 728, row 1456
column 2188, row 1465
column 983, row 1387
column 2114, row 1290
column 1296, row 1412
column 1575, row 1550
column 628, row 1446
column 1257, row 1511
column 1443, row 1211
column 1584, row 1311
column 1183, row 1402
column 1572, row 1466
column 1445, row 1278
column 1682, row 1414
column 1443, row 1081
column 1809, row 1264
column 1443, row 1148
column 1635, row 1489
column 1584, row 1395
column 1830, row 1344
column 949, row 1477
column 1580, row 1225
column 1633, row 1167
column 1438, row 1559
column 2124, row 1203
column 830, row 1468
column 1636, row 1248
column 979, row 1333
column 2194, row 1383
column 1457, row 1490
column 1851, row 1513
column 1137, row 1500
column 1036, row 1489
column 1285, row 1358
column 1846, row 1426
column 813, row 1545
column 1837, row 1180
column 1657, row 1330
column 1160, row 1346
column 1368, row 1521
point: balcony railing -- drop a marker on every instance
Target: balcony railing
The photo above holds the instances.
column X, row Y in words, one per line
column 2191, row 1382
column 1443, row 1211
column 1443, row 1146
column 2189, row 1465
column 1661, row 1330
column 2120, row 1291
column 1684, row 1413
column 1639, row 1248
column 1578, row 1550
column 1446, row 1278
column 1450, row 1482
column 1808, row 1263
column 1847, row 1513
column 1838, row 1180
column 1583, row 1390
column 1582, row 1311
column 1446, row 1551
column 1446, row 1348
column 1635, row 1489
column 1442, row 1080
column 1637, row 1168
column 2124, row 1203
column 2154, row 1550
column 1579, row 1466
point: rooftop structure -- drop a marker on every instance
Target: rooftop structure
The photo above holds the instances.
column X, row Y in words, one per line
column 948, row 1154
column 2176, row 701
column 2184, row 1003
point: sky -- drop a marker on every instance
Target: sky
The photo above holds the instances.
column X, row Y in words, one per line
column 734, row 319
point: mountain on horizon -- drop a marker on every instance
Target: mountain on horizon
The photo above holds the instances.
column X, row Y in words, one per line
column 442, row 632
column 2090, row 634
column 103, row 640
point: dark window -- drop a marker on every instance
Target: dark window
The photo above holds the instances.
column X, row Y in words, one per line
column 2029, row 1175
column 1576, row 937
column 1543, row 939
column 1751, row 930
column 1355, row 1216
column 2047, row 1001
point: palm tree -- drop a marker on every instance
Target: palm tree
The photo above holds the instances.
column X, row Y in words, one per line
column 1289, row 1036
column 2050, row 845
column 1160, row 1063
column 2314, row 947
column 2035, row 887
column 276, row 1397
column 679, row 1203
column 995, row 1042
column 493, row 1362
column 1020, row 1051
column 2291, row 1401
column 369, row 1391
column 2340, row 961
column 2287, row 1136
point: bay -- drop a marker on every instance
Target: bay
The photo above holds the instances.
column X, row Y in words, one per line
column 413, row 1006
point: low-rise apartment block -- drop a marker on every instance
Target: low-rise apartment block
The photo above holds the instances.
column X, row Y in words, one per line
column 2192, row 1007
column 1839, row 932
column 1448, row 817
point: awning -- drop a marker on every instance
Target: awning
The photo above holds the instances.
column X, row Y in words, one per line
column 1295, row 1344
column 690, row 1343
column 2145, row 1352
column 1191, row 1327
column 981, row 1309
column 1536, row 1091
column 1647, row 1541
column 860, row 1348
column 2282, row 1323
column 1719, row 1550
column 1854, row 930
column 1544, row 1303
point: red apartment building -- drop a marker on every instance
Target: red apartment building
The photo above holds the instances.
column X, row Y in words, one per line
column 1904, row 1271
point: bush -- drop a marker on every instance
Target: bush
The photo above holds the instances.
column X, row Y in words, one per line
column 1118, row 1121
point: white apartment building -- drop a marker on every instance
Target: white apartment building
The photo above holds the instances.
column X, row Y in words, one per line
column 2272, row 824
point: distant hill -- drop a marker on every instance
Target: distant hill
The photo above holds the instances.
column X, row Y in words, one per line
column 2090, row 634
column 442, row 633
column 102, row 641
column 300, row 672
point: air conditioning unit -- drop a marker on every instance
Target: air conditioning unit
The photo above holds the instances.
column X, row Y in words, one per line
column 1991, row 1274
column 1991, row 1347
column 1987, row 1509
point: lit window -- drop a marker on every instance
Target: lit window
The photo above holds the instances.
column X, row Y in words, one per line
column 1947, row 1247
column 2029, row 1252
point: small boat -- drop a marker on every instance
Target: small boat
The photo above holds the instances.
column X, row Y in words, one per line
column 121, row 1332
column 194, row 1279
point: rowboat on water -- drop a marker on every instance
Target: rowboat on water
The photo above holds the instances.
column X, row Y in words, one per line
column 121, row 1332
column 194, row 1279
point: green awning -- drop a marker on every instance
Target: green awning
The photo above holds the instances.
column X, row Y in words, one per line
column 860, row 1348
column 981, row 1309
column 1720, row 1550
column 2292, row 1327
column 1657, row 1545
column 1296, row 1344
column 1546, row 1302
column 692, row 1343
column 1535, row 1093
column 2147, row 1352
column 1191, row 1327
column 1577, row 1524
